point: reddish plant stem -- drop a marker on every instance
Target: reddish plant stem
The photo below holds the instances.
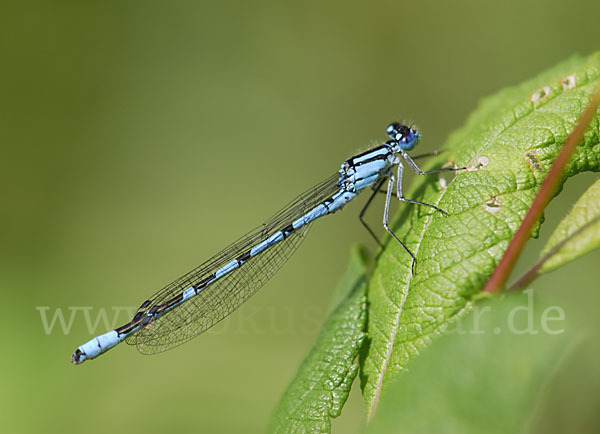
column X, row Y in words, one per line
column 500, row 275
column 533, row 272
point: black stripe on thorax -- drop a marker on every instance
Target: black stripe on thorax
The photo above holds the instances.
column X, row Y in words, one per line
column 353, row 161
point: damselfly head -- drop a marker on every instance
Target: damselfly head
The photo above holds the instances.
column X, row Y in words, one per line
column 406, row 137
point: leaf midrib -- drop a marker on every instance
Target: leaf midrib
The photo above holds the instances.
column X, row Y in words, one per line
column 390, row 346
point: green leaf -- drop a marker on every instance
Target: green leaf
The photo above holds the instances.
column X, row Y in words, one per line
column 323, row 381
column 487, row 376
column 508, row 144
column 577, row 234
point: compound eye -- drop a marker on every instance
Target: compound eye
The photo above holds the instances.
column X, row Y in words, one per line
column 403, row 132
column 393, row 130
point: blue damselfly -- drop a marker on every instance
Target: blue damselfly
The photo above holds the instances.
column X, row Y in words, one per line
column 201, row 298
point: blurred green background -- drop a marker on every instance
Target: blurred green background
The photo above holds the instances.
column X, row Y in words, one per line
column 140, row 137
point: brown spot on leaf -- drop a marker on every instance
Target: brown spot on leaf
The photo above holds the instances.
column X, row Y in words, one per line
column 540, row 94
column 492, row 206
column 478, row 163
column 533, row 161
column 568, row 82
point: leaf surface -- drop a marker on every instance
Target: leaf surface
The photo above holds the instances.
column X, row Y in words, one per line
column 508, row 144
column 577, row 234
column 488, row 375
column 323, row 381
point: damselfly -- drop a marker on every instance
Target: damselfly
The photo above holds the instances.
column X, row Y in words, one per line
column 201, row 298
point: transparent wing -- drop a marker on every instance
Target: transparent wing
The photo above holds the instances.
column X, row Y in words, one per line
column 217, row 300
